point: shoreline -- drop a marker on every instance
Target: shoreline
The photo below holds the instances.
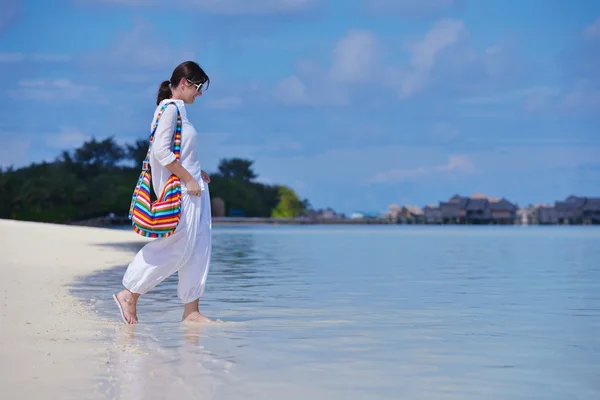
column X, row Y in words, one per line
column 51, row 346
column 233, row 221
column 108, row 221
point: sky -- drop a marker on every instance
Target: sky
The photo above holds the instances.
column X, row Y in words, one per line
column 355, row 104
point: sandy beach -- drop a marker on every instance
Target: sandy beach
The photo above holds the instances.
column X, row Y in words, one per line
column 51, row 344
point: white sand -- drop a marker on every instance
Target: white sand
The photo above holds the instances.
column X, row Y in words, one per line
column 49, row 342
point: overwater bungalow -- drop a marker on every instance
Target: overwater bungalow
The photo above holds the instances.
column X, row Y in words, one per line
column 574, row 210
column 432, row 215
column 475, row 209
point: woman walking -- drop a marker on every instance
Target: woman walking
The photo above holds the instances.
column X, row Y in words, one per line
column 188, row 250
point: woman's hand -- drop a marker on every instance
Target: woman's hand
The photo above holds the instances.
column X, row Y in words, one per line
column 192, row 187
column 205, row 177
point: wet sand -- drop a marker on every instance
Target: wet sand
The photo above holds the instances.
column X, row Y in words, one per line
column 50, row 345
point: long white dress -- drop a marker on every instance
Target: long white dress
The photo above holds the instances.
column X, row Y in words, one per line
column 188, row 250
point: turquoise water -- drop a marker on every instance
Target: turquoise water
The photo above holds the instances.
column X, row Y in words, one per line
column 370, row 312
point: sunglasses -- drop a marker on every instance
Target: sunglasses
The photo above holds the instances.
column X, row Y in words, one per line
column 199, row 86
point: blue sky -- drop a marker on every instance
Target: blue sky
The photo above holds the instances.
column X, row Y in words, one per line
column 355, row 104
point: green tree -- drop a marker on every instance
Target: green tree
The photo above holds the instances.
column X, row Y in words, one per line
column 137, row 152
column 92, row 182
column 289, row 206
column 105, row 153
column 237, row 168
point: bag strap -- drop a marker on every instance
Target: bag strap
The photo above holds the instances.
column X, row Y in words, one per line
column 146, row 163
column 176, row 140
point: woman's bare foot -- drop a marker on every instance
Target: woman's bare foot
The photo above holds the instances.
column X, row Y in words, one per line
column 128, row 302
column 195, row 316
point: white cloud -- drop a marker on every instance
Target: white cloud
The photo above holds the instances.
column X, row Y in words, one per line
column 399, row 175
column 581, row 100
column 411, row 7
column 352, row 166
column 355, row 57
column 444, row 132
column 138, row 78
column 459, row 164
column 12, row 57
column 66, row 138
column 456, row 164
column 594, row 29
column 535, row 103
column 291, row 90
column 35, row 145
column 142, row 48
column 256, row 7
column 322, row 92
column 534, row 99
column 441, row 57
column 217, row 143
column 511, row 96
column 49, row 57
column 36, row 57
column 414, row 78
column 443, row 34
column 530, row 158
column 222, row 7
column 225, row 103
column 445, row 59
column 539, row 99
column 52, row 90
column 15, row 151
column 300, row 185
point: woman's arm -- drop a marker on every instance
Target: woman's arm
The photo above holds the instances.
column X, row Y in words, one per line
column 161, row 149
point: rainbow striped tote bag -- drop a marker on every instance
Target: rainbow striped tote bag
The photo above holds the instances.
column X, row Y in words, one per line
column 159, row 218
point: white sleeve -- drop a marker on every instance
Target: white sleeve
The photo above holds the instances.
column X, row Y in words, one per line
column 162, row 143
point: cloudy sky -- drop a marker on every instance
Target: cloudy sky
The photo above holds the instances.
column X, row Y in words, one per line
column 356, row 104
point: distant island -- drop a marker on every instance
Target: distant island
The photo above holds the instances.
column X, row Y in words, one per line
column 93, row 184
column 476, row 209
column 479, row 209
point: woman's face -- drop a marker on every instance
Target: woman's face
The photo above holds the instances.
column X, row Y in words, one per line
column 191, row 90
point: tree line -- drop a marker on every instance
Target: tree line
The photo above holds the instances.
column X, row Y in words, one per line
column 98, row 178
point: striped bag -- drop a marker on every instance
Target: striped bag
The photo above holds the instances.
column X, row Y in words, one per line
column 159, row 218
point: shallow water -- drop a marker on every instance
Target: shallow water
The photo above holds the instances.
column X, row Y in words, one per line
column 370, row 312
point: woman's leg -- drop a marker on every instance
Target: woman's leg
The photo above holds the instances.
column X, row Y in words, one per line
column 193, row 275
column 191, row 313
column 128, row 302
column 158, row 260
column 155, row 262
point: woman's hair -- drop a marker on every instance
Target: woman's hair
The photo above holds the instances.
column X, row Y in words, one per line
column 187, row 69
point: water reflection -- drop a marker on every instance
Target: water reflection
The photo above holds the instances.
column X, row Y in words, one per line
column 141, row 369
column 236, row 267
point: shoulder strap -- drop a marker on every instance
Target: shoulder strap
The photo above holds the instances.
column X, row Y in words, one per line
column 176, row 140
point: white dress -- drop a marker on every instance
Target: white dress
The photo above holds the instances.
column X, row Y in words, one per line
column 188, row 250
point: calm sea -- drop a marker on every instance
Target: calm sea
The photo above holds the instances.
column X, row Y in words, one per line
column 370, row 312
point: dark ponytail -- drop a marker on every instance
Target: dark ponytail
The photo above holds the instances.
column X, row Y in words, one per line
column 164, row 92
column 188, row 70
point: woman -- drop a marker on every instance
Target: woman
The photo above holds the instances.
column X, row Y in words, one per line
column 188, row 250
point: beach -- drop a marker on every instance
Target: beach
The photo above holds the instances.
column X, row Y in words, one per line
column 51, row 346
